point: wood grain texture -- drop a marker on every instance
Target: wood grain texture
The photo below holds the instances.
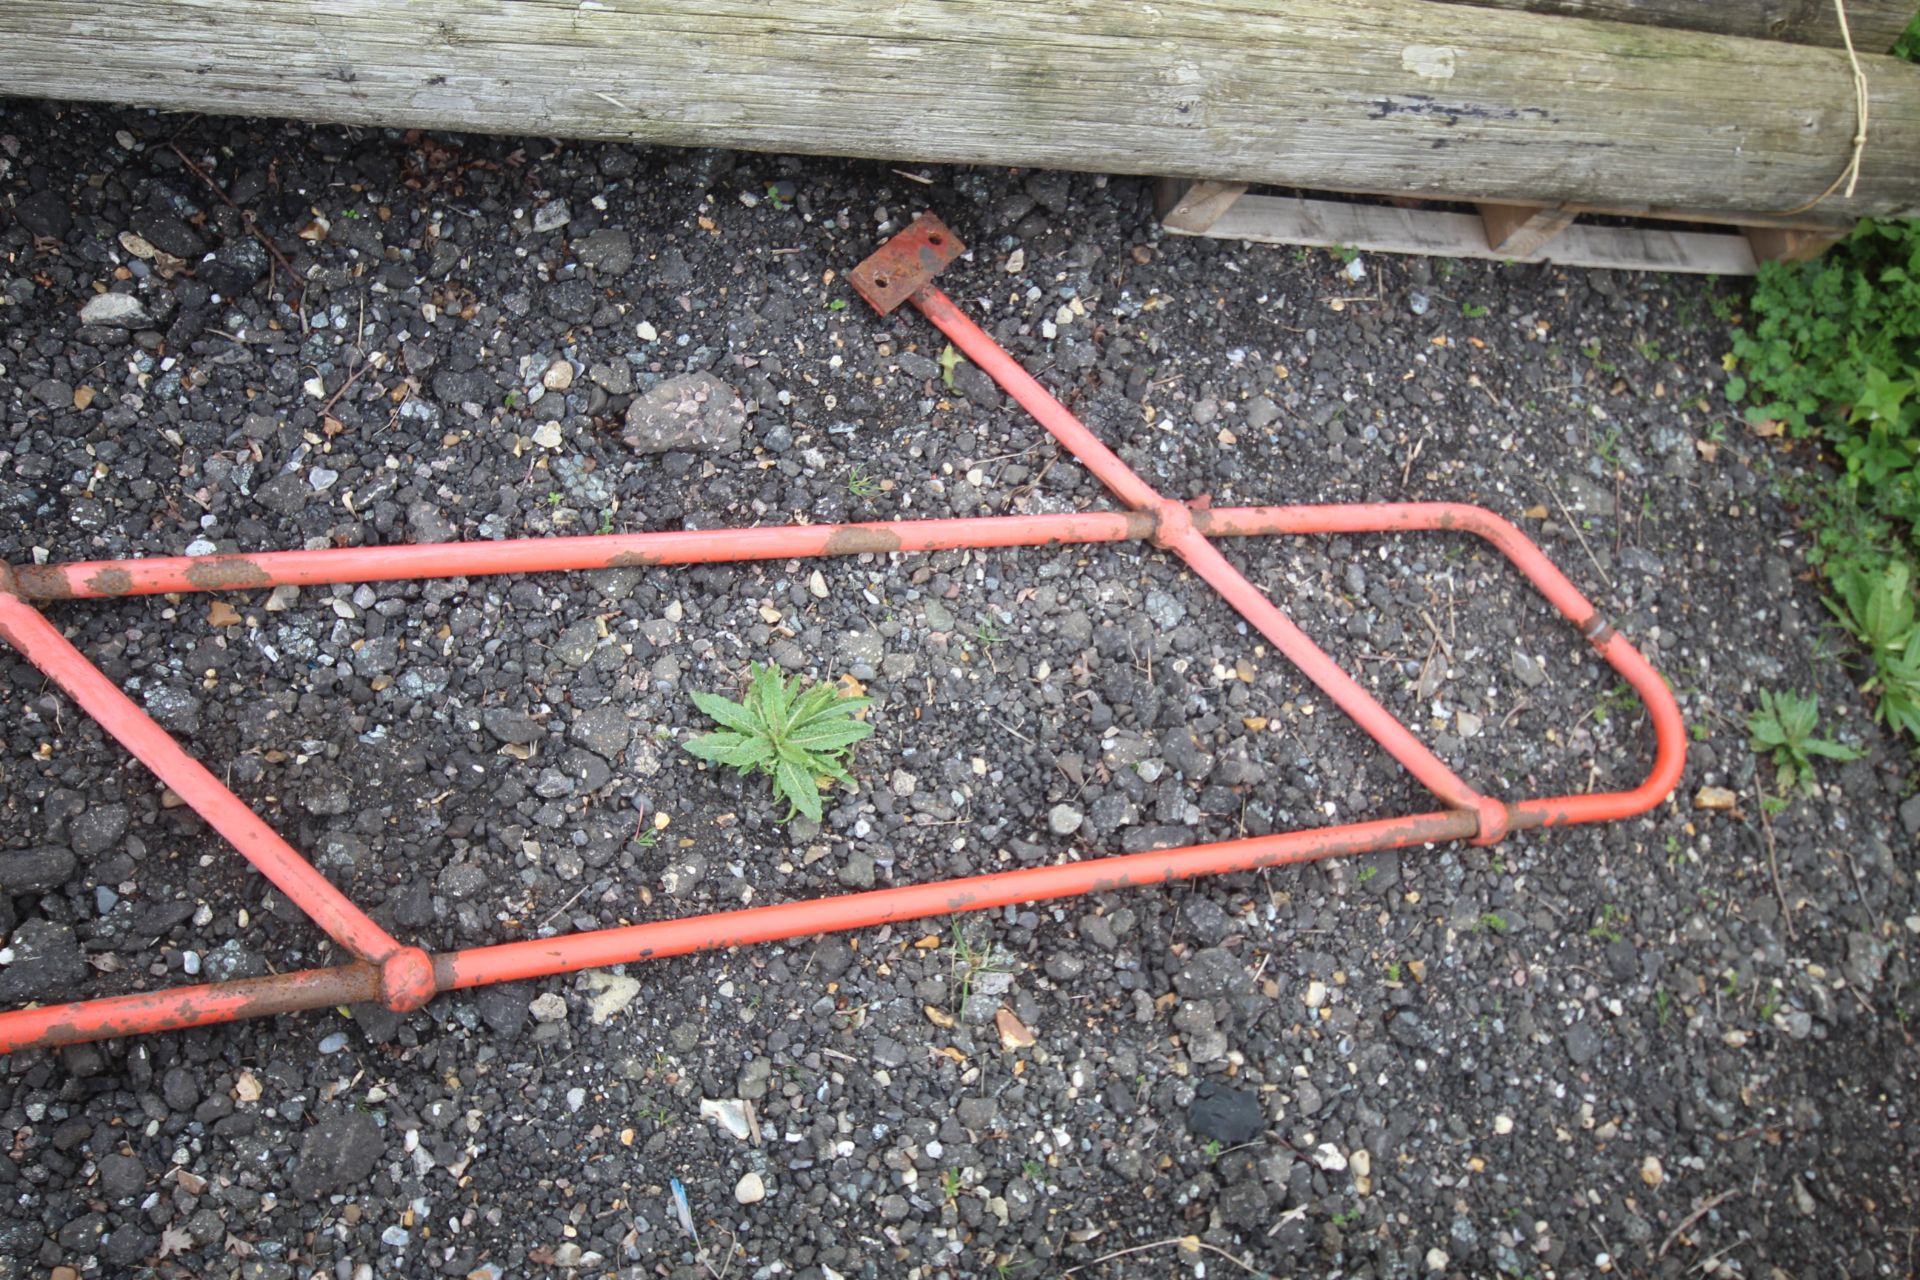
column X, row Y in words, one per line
column 1383, row 229
column 1399, row 95
column 1514, row 230
column 1875, row 24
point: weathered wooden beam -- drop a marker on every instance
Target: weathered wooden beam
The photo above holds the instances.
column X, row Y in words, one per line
column 1875, row 24
column 1397, row 95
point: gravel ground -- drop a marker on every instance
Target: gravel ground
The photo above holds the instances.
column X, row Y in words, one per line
column 1623, row 1048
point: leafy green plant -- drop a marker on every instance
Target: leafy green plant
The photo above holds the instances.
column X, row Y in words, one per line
column 1493, row 921
column 1877, row 608
column 1346, row 253
column 1832, row 348
column 1472, row 310
column 1783, row 729
column 800, row 737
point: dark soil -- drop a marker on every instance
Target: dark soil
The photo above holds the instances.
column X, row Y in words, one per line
column 1622, row 1047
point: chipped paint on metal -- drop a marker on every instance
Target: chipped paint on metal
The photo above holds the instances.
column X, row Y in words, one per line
column 854, row 539
column 226, row 573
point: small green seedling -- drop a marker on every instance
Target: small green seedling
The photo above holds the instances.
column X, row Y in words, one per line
column 860, row 484
column 1472, row 310
column 800, row 737
column 1783, row 729
column 950, row 359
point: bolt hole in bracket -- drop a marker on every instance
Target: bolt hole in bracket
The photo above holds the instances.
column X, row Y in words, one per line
column 405, row 977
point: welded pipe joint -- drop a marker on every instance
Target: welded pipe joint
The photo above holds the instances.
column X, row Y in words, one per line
column 406, row 980
column 1172, row 523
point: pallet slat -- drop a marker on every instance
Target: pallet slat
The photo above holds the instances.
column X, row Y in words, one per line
column 1301, row 220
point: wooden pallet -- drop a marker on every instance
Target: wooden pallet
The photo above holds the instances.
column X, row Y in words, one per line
column 1504, row 232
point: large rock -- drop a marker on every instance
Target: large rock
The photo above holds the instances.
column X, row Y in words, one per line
column 42, row 961
column 116, row 311
column 694, row 412
column 35, row 870
column 337, row 1154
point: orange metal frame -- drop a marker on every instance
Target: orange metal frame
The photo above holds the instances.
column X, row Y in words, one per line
column 405, row 977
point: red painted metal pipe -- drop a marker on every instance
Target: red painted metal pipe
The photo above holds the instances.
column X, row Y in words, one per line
column 95, row 579
column 1669, row 727
column 40, row 642
column 1177, row 533
column 534, row 957
column 406, row 977
column 178, row 1008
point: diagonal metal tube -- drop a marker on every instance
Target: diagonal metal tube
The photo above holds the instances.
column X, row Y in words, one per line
column 406, row 977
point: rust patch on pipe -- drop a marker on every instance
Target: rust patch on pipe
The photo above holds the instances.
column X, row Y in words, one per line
column 225, row 573
column 1144, row 524
column 853, row 540
column 108, row 582
column 632, row 560
column 36, row 582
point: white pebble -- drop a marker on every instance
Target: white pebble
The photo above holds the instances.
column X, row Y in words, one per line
column 750, row 1189
column 334, row 1043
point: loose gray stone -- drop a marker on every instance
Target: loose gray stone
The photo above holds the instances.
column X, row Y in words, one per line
column 1581, row 1043
column 326, row 793
column 44, row 213
column 35, row 870
column 603, row 731
column 121, row 1176
column 94, row 830
column 338, row 1154
column 608, row 250
column 694, row 412
column 1064, row 819
column 612, row 992
column 426, row 524
column 116, row 311
column 1910, row 814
